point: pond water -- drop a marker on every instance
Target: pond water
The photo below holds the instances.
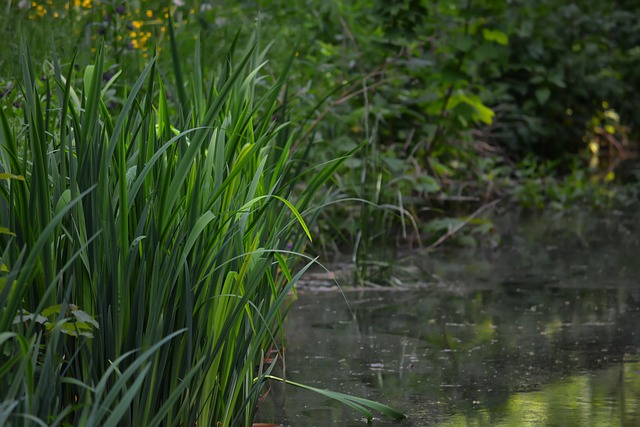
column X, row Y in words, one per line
column 543, row 331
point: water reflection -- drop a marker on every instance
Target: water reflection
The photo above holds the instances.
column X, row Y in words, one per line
column 544, row 339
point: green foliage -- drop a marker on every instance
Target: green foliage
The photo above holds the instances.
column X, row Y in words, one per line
column 148, row 246
column 445, row 99
column 535, row 187
column 455, row 94
column 565, row 60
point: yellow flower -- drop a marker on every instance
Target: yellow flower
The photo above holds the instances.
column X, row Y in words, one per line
column 149, row 13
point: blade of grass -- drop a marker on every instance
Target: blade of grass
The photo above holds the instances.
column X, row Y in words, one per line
column 358, row 403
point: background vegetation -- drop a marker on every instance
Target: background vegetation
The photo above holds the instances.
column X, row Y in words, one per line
column 458, row 101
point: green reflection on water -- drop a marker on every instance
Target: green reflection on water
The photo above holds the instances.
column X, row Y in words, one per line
column 605, row 398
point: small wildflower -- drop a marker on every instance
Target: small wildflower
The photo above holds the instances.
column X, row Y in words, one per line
column 149, row 13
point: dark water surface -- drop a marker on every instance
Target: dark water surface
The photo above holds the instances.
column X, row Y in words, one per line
column 545, row 331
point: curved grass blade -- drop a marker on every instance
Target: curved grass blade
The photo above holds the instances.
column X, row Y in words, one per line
column 358, row 403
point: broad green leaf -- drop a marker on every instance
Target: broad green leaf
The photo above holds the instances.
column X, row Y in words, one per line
column 495, row 36
column 464, row 43
column 483, row 113
column 440, row 168
column 428, row 184
column 83, row 317
column 542, row 95
column 26, row 316
column 54, row 309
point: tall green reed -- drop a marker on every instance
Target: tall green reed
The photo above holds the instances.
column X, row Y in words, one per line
column 147, row 252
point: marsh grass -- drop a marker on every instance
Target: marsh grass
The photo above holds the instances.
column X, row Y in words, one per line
column 148, row 249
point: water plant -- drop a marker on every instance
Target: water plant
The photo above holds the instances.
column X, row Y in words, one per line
column 149, row 245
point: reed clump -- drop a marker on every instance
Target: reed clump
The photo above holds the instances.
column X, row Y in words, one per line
column 147, row 247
